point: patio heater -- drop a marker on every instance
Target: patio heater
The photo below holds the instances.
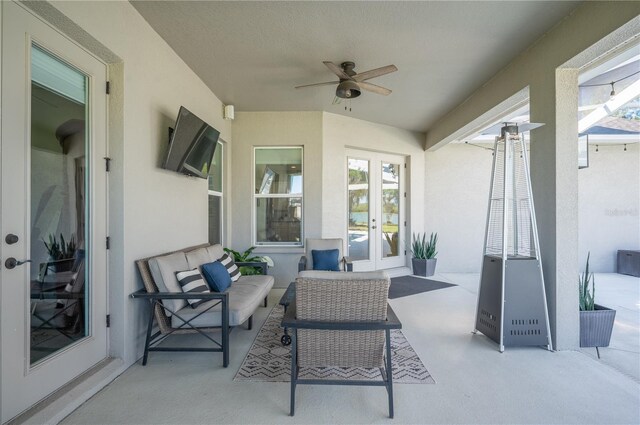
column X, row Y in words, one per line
column 512, row 304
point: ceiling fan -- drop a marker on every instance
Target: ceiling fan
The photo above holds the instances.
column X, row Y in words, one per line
column 351, row 83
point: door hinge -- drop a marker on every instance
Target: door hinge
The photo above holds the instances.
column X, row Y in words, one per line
column 108, row 87
column 108, row 320
column 405, row 252
column 107, row 163
column 405, row 165
column 108, row 242
column 405, row 194
column 405, row 223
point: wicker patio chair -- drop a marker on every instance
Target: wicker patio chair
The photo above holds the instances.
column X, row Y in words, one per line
column 341, row 319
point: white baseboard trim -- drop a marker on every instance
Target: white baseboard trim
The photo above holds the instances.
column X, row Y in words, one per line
column 64, row 401
column 398, row 271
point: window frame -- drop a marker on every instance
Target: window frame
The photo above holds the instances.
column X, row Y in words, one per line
column 256, row 196
column 220, row 194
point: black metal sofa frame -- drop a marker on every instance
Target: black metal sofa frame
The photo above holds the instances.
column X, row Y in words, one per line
column 157, row 313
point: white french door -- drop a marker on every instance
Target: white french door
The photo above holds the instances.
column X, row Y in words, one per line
column 53, row 204
column 376, row 209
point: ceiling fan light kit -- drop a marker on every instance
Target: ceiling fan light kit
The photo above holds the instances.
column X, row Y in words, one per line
column 348, row 90
column 351, row 83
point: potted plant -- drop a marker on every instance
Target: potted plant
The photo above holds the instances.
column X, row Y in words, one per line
column 61, row 253
column 246, row 257
column 424, row 254
column 596, row 321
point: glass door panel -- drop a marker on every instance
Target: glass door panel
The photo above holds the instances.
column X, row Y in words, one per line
column 58, row 206
column 390, row 225
column 375, row 210
column 359, row 212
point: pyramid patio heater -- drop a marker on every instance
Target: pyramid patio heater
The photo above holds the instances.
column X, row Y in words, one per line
column 512, row 305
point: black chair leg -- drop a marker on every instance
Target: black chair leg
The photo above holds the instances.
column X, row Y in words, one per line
column 265, row 301
column 225, row 334
column 250, row 322
column 294, row 372
column 149, row 328
column 389, row 373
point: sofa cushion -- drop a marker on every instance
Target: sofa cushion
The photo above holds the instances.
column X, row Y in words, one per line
column 233, row 270
column 245, row 297
column 191, row 281
column 215, row 252
column 217, row 276
column 163, row 270
column 198, row 257
column 326, row 259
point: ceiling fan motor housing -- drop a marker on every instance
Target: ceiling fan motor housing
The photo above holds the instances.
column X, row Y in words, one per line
column 347, row 67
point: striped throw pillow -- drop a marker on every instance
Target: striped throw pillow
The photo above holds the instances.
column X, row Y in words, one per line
column 191, row 281
column 233, row 270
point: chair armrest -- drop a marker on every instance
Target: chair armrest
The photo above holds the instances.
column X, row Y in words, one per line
column 261, row 264
column 348, row 264
column 142, row 293
column 289, row 321
column 302, row 264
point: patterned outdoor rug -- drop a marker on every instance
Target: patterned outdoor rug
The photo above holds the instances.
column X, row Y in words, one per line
column 268, row 360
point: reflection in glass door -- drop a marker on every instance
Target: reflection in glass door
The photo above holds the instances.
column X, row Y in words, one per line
column 390, row 209
column 375, row 210
column 59, row 281
column 358, row 192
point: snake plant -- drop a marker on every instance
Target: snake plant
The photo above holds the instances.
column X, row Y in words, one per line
column 422, row 249
column 586, row 296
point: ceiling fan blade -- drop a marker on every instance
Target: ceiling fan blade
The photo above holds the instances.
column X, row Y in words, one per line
column 375, row 89
column 328, row 83
column 336, row 70
column 375, row 73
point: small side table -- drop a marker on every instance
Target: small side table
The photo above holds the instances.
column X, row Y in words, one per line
column 286, row 299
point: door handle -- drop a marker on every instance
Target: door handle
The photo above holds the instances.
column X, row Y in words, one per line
column 11, row 263
column 373, row 227
column 11, row 239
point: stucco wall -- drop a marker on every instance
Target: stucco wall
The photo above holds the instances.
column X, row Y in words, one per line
column 325, row 138
column 342, row 132
column 609, row 203
column 457, row 190
column 152, row 210
column 457, row 180
column 275, row 129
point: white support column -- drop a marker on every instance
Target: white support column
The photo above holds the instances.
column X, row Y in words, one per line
column 554, row 178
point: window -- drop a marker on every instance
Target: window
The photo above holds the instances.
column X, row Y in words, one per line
column 278, row 196
column 215, row 195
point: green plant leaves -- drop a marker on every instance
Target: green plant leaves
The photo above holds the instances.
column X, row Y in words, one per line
column 586, row 297
column 60, row 250
column 423, row 249
column 245, row 257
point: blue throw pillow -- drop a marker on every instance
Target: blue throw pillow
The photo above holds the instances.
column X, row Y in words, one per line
column 326, row 259
column 217, row 276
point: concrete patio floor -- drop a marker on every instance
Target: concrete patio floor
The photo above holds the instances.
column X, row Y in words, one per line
column 474, row 382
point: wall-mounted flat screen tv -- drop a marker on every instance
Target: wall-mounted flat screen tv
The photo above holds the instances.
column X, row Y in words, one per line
column 191, row 145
